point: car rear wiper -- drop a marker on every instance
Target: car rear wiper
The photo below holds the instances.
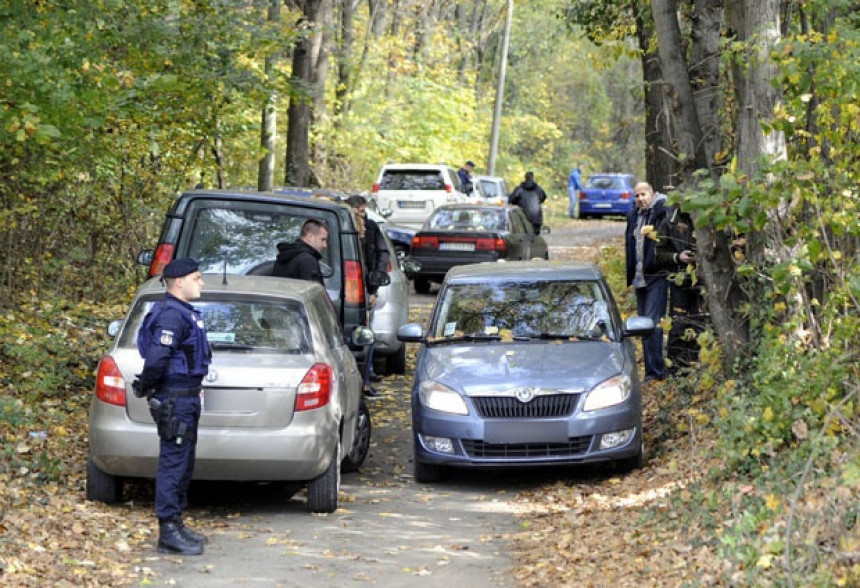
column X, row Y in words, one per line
column 234, row 346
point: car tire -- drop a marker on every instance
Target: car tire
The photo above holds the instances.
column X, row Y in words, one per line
column 322, row 490
column 360, row 443
column 422, row 286
column 396, row 362
column 426, row 473
column 102, row 487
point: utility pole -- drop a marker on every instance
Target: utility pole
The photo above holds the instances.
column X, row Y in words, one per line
column 500, row 92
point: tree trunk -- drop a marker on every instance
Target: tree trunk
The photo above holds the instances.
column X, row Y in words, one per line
column 299, row 112
column 715, row 263
column 268, row 126
column 319, row 73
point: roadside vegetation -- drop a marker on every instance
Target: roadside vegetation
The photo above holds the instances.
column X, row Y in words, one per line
column 111, row 108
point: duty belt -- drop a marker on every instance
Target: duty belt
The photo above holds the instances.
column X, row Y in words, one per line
column 181, row 392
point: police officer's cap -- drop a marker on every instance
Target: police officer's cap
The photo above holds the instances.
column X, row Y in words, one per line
column 180, row 267
column 470, row 163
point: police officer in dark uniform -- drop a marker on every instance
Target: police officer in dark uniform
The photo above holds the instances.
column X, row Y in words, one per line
column 172, row 341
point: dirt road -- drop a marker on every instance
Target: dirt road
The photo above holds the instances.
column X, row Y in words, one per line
column 389, row 530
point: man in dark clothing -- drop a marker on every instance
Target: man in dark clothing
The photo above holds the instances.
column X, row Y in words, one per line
column 301, row 259
column 376, row 258
column 676, row 253
column 172, row 341
column 465, row 175
column 645, row 274
column 529, row 196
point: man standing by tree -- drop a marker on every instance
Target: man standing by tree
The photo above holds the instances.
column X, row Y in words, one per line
column 645, row 274
column 574, row 186
column 465, row 175
column 529, row 196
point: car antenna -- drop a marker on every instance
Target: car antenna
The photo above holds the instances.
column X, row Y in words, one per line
column 224, row 279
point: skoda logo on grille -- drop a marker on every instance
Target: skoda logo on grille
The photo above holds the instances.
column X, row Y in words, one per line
column 211, row 376
column 525, row 394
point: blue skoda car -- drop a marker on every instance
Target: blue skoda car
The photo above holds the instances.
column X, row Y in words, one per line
column 606, row 194
column 525, row 363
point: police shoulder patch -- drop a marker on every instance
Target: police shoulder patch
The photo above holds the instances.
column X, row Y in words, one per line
column 166, row 337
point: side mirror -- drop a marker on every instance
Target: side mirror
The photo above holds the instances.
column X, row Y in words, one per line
column 411, row 267
column 362, row 336
column 385, row 212
column 638, row 326
column 114, row 327
column 411, row 333
column 326, row 270
column 378, row 278
column 145, row 257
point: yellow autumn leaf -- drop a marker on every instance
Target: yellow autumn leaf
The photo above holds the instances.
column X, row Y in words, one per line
column 764, row 562
column 772, row 502
column 768, row 414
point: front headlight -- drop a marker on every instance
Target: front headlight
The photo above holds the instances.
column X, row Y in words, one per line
column 440, row 397
column 608, row 393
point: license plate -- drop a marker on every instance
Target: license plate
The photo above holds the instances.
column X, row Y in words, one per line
column 456, row 246
column 410, row 203
column 603, row 205
column 518, row 432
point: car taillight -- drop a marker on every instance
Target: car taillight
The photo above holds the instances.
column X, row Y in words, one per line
column 389, row 267
column 449, row 188
column 375, row 188
column 162, row 257
column 425, row 242
column 583, row 195
column 315, row 388
column 491, row 244
column 110, row 385
column 626, row 195
column 354, row 288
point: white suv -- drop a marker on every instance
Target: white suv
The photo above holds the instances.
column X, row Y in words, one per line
column 413, row 190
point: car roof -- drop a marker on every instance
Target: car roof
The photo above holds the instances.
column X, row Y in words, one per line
column 535, row 270
column 611, row 175
column 183, row 200
column 427, row 166
column 473, row 206
column 251, row 286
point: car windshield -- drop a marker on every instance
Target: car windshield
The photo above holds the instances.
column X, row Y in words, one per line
column 605, row 183
column 514, row 311
column 241, row 325
column 397, row 179
column 469, row 219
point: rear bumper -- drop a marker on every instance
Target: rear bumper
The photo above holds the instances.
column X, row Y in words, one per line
column 299, row 452
column 437, row 266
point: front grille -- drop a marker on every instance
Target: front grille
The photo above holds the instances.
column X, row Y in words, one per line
column 508, row 407
column 479, row 449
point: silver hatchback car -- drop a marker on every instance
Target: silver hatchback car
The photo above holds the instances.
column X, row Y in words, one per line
column 282, row 400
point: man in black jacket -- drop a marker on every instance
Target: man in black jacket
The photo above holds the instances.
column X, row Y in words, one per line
column 376, row 258
column 301, row 259
column 529, row 196
column 645, row 273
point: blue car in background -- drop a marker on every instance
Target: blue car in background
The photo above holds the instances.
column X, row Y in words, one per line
column 606, row 194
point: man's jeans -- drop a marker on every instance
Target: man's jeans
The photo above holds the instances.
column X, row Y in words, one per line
column 651, row 302
column 573, row 208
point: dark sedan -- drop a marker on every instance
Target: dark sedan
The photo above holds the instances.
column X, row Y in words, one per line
column 460, row 234
column 525, row 364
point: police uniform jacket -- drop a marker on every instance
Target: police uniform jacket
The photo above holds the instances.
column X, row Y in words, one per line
column 173, row 343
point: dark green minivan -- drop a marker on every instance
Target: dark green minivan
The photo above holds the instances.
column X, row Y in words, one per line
column 237, row 232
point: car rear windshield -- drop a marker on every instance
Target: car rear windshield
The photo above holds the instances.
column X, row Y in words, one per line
column 491, row 189
column 412, row 179
column 240, row 236
column 468, row 219
column 552, row 309
column 241, row 325
column 604, row 183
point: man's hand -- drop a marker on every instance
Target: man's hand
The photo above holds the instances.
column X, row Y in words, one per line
column 143, row 388
column 687, row 256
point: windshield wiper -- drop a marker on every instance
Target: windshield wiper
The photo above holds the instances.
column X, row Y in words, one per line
column 476, row 337
column 557, row 336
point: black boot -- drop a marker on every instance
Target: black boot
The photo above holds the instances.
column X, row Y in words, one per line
column 190, row 533
column 172, row 540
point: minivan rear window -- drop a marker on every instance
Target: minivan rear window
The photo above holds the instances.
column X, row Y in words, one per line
column 402, row 179
column 242, row 236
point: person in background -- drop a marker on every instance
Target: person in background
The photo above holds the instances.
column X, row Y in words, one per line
column 645, row 274
column 574, row 186
column 376, row 257
column 176, row 357
column 530, row 196
column 676, row 252
column 301, row 259
column 465, row 175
